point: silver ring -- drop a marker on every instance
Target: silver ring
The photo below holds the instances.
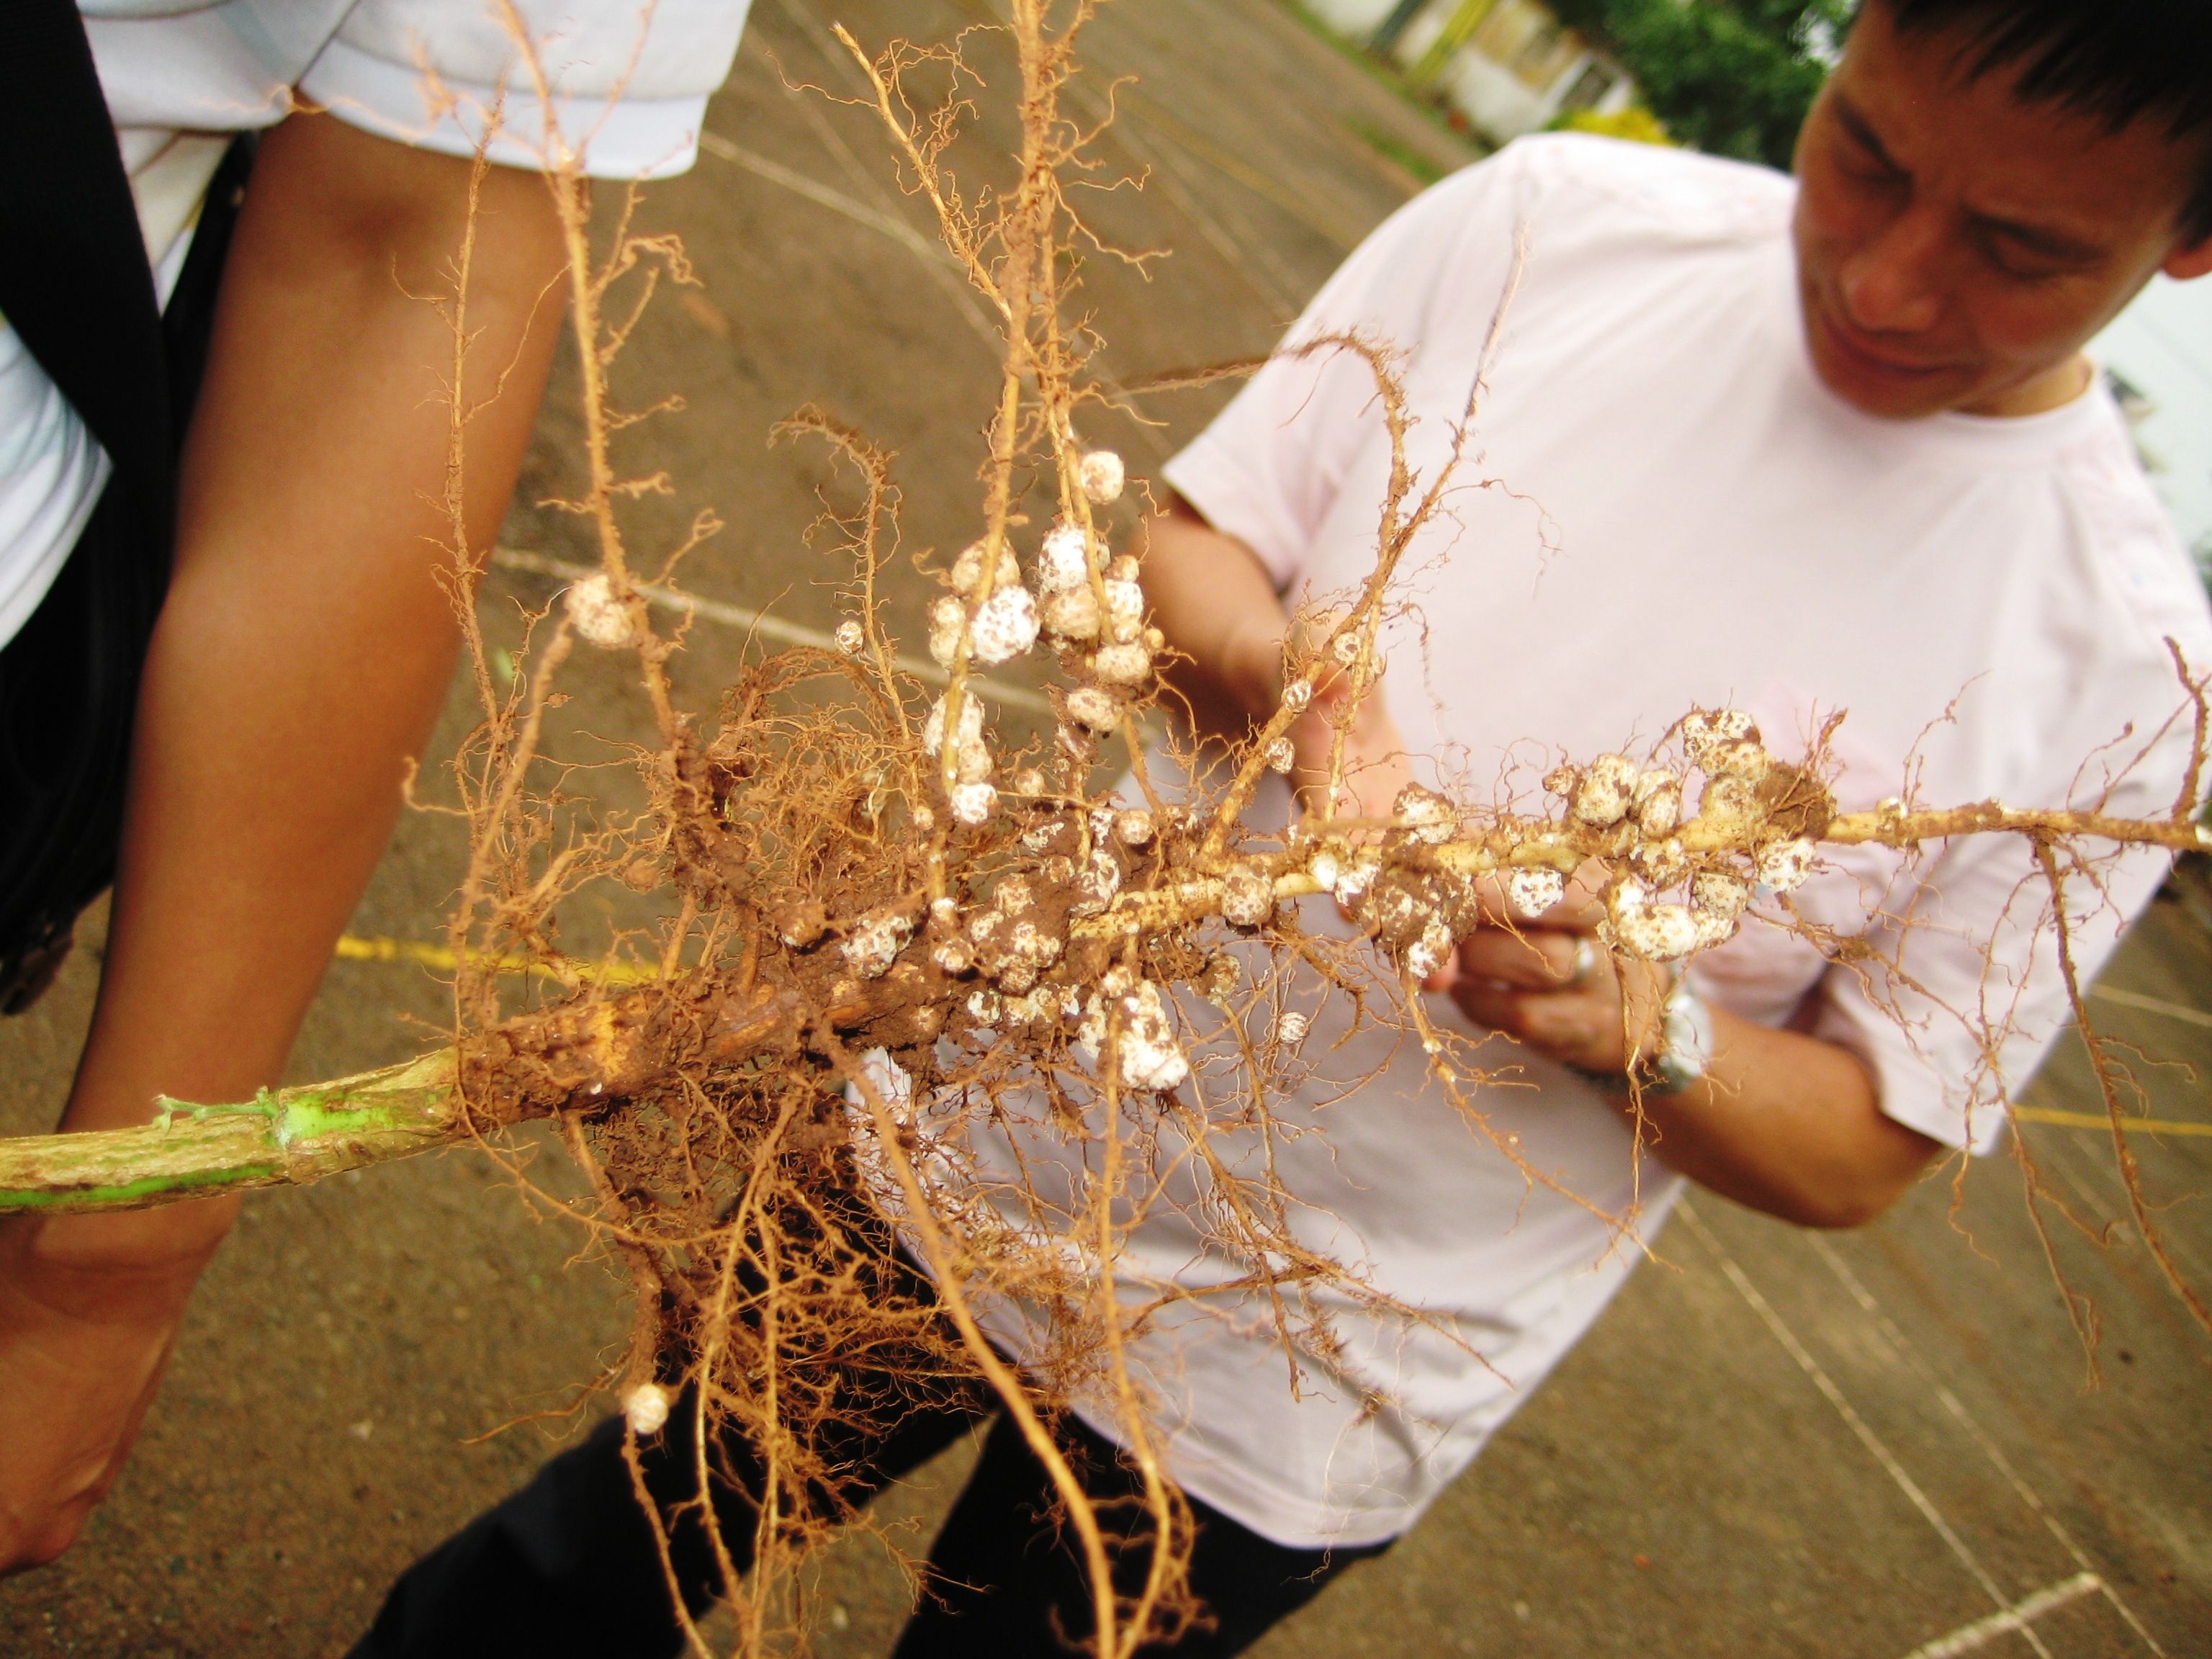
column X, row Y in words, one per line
column 1585, row 962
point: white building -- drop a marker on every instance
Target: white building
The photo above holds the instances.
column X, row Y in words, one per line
column 1510, row 66
column 2159, row 353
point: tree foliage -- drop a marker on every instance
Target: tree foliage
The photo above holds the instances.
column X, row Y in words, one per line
column 1732, row 77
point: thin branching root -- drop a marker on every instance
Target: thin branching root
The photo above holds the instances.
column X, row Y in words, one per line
column 891, row 947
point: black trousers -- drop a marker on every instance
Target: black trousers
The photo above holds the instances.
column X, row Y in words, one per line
column 568, row 1565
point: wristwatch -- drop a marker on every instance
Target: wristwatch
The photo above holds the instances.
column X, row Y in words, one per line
column 1686, row 1043
column 1685, row 1048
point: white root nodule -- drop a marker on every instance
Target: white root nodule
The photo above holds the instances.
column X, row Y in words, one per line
column 599, row 616
column 1005, row 625
column 1100, row 476
column 646, row 1409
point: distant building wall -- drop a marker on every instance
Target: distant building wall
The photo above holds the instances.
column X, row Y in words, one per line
column 1510, row 66
column 1358, row 19
column 2160, row 349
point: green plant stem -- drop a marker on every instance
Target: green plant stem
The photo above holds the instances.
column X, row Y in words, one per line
column 285, row 1137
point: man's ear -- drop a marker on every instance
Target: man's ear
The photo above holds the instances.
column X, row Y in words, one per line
column 2191, row 260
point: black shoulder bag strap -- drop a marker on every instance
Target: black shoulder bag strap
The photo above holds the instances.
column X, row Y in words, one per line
column 75, row 286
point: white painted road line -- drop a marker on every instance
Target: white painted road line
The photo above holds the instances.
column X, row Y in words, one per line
column 1982, row 1439
column 2150, row 1005
column 2011, row 1621
column 758, row 622
column 827, row 196
column 1857, row 1424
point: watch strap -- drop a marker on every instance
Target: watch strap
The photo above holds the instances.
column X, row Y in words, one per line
column 1685, row 1048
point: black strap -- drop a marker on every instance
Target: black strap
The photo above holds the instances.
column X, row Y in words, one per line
column 75, row 285
column 74, row 280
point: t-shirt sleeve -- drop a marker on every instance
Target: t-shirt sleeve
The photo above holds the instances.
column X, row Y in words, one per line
column 1962, row 994
column 1268, row 469
column 621, row 86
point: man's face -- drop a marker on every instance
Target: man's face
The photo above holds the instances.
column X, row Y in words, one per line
column 1956, row 246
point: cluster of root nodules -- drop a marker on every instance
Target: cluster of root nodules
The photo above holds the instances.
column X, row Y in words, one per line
column 891, row 936
column 879, row 925
column 896, row 970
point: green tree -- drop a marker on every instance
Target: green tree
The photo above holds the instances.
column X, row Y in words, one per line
column 1732, row 77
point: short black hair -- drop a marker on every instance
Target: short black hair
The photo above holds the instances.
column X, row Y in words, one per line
column 2120, row 61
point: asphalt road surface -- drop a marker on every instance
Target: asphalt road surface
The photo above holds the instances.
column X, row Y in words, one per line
column 1870, row 1446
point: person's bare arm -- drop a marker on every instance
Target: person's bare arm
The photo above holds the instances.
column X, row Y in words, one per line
column 1791, row 1125
column 1781, row 1122
column 1214, row 600
column 301, row 656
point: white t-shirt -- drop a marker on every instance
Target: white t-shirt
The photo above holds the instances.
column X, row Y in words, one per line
column 1665, row 509
column 180, row 75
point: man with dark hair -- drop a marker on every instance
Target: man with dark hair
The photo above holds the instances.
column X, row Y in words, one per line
column 2148, row 62
column 1797, row 448
column 1794, row 447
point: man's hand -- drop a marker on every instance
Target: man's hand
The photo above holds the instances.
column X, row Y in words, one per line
column 89, row 1307
column 1372, row 755
column 1216, row 604
column 1547, row 983
column 299, row 659
column 1781, row 1122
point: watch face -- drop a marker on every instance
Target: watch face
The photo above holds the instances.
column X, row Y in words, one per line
column 1688, row 1040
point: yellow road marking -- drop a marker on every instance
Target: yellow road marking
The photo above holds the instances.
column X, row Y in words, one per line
column 442, row 959
column 2149, row 1125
